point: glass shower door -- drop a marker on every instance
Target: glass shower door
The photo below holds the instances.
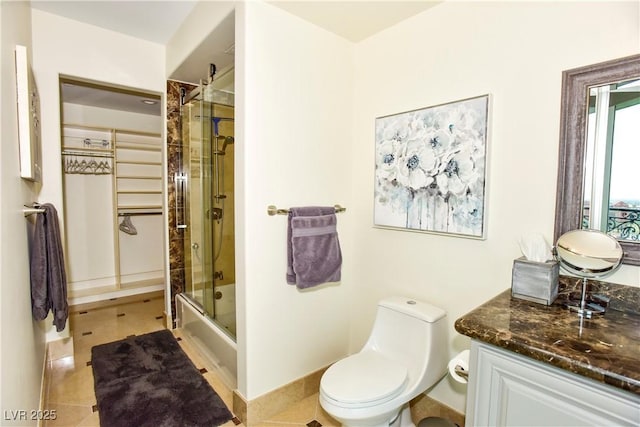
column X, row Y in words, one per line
column 209, row 237
column 222, row 215
column 196, row 151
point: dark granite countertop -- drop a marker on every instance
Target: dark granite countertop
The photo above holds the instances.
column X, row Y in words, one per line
column 605, row 348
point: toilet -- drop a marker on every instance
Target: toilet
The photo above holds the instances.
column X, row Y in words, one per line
column 404, row 356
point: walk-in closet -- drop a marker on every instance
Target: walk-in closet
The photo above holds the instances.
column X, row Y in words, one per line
column 112, row 165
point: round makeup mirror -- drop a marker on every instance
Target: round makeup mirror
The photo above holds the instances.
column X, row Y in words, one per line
column 588, row 254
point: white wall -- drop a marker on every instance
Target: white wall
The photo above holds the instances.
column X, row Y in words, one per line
column 185, row 48
column 23, row 342
column 293, row 130
column 515, row 52
column 66, row 47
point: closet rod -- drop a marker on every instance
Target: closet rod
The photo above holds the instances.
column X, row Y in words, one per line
column 138, row 213
column 86, row 153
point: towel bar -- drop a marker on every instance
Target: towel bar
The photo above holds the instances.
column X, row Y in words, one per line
column 29, row 210
column 272, row 210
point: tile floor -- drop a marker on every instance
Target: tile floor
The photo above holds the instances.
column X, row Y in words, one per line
column 70, row 377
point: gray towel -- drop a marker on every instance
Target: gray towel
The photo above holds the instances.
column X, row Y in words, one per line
column 313, row 249
column 48, row 277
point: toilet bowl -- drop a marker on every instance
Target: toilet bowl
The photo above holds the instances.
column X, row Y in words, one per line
column 404, row 356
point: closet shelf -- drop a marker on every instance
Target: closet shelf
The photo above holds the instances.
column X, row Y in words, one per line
column 120, row 207
column 138, row 147
column 138, row 177
column 133, row 162
column 120, row 133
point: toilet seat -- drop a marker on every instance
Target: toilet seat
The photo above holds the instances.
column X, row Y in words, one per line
column 364, row 379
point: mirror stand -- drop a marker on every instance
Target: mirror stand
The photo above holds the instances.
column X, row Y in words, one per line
column 583, row 307
column 588, row 254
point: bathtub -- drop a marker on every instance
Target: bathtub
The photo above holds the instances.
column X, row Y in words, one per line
column 213, row 342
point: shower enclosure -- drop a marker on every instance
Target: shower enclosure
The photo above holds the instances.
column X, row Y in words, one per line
column 207, row 188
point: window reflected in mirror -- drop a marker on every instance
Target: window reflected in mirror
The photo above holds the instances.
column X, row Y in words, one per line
column 611, row 200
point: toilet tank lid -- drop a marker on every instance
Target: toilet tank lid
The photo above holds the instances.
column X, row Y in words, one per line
column 414, row 308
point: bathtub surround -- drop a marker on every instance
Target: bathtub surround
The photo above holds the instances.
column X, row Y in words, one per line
column 213, row 341
column 149, row 380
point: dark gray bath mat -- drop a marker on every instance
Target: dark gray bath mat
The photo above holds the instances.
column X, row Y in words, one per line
column 148, row 380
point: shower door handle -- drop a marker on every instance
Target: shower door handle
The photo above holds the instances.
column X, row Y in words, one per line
column 180, row 180
column 195, row 247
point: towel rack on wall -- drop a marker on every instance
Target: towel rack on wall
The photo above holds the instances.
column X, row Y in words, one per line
column 272, row 210
column 32, row 210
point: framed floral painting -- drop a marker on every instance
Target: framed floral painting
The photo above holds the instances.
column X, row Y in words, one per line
column 430, row 169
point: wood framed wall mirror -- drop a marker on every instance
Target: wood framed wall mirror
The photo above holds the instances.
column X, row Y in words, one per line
column 598, row 176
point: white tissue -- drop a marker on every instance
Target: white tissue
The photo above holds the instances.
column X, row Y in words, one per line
column 462, row 361
column 534, row 247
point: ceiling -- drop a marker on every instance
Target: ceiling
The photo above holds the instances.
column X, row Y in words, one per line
column 158, row 20
column 354, row 20
column 83, row 93
column 153, row 20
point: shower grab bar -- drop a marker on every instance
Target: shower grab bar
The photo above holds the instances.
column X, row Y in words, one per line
column 272, row 210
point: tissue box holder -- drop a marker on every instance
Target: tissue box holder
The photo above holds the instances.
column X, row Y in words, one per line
column 535, row 281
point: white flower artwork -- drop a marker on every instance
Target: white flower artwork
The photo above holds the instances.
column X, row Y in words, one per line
column 430, row 169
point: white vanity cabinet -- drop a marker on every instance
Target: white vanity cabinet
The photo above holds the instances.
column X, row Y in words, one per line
column 508, row 389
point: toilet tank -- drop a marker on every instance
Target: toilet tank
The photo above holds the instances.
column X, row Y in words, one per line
column 412, row 332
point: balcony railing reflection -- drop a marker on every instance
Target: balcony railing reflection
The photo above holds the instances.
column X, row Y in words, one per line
column 623, row 223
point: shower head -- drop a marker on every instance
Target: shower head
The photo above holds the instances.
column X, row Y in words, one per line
column 228, row 140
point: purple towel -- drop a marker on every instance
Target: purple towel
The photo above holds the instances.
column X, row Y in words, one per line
column 313, row 249
column 48, row 277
